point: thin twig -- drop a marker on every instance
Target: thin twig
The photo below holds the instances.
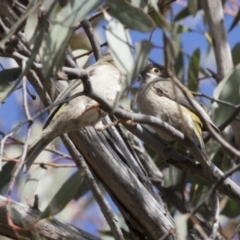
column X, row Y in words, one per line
column 235, row 232
column 24, row 153
column 95, row 15
column 92, row 38
column 89, row 52
column 216, row 211
column 91, row 182
column 55, row 165
column 215, row 100
column 25, row 104
column 215, row 186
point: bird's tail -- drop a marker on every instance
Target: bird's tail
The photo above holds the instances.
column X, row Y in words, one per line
column 198, row 126
column 36, row 148
column 198, row 133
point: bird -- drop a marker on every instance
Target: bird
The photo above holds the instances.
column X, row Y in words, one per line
column 158, row 96
column 81, row 111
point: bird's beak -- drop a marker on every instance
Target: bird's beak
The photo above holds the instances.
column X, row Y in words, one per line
column 143, row 74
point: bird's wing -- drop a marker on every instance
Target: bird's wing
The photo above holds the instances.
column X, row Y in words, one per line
column 160, row 88
column 63, row 95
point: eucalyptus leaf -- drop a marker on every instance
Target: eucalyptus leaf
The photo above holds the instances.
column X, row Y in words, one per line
column 158, row 18
column 31, row 7
column 65, row 23
column 179, row 28
column 231, row 209
column 179, row 65
column 15, row 215
column 7, row 76
column 236, row 54
column 181, row 225
column 119, row 44
column 172, row 177
column 227, row 90
column 64, row 195
column 130, row 16
column 193, row 71
column 182, row 14
column 31, row 23
column 192, row 7
column 139, row 3
column 32, row 183
column 142, row 51
column 5, row 176
column 235, row 21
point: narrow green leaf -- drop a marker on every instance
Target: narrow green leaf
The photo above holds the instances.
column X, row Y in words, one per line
column 7, row 76
column 235, row 21
column 179, row 65
column 186, row 12
column 179, row 29
column 172, row 177
column 231, row 209
column 31, row 7
column 65, row 194
column 181, row 226
column 66, row 19
column 236, row 54
column 31, row 23
column 192, row 7
column 158, row 17
column 130, row 16
column 139, row 3
column 227, row 90
column 119, row 43
column 143, row 48
column 83, row 189
column 193, row 70
column 182, row 14
column 5, row 176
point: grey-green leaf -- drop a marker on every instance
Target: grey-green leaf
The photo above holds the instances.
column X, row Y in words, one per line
column 236, row 54
column 119, row 42
column 15, row 215
column 5, row 176
column 7, row 76
column 62, row 30
column 192, row 7
column 193, row 70
column 235, row 21
column 65, row 194
column 143, row 48
column 172, row 177
column 130, row 16
column 227, row 90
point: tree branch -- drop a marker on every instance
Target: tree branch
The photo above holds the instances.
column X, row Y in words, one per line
column 214, row 14
column 92, row 38
column 51, row 229
column 91, row 182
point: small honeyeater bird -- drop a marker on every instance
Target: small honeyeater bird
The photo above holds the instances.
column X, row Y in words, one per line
column 160, row 97
column 81, row 111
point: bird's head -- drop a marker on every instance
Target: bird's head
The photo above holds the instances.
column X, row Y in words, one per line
column 153, row 70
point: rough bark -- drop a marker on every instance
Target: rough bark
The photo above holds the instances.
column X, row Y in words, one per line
column 45, row 229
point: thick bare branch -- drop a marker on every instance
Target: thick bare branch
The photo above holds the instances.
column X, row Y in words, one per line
column 51, row 229
column 214, row 14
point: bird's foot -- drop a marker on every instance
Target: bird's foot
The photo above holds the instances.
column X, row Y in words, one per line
column 119, row 121
column 95, row 106
column 108, row 125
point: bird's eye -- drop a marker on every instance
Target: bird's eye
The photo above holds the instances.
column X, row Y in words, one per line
column 156, row 70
